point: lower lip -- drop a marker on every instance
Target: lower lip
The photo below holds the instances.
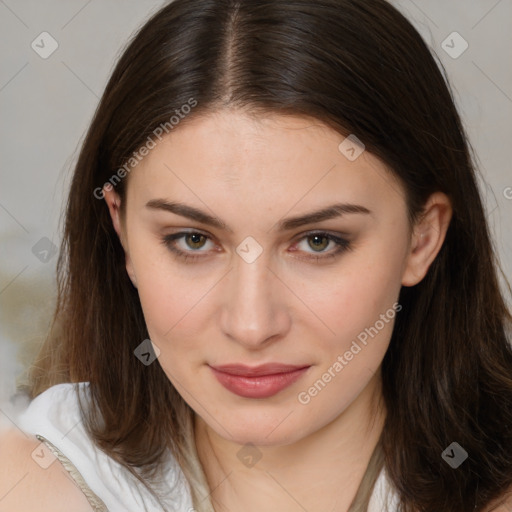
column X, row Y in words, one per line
column 261, row 386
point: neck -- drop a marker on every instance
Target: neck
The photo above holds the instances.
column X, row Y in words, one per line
column 319, row 472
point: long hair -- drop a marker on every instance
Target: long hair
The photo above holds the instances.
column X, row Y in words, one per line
column 360, row 67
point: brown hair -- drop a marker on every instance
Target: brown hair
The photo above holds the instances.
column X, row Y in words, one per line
column 362, row 68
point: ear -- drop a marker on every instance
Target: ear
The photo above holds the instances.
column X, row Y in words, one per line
column 427, row 238
column 114, row 207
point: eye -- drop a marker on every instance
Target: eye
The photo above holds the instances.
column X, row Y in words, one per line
column 194, row 237
column 319, row 242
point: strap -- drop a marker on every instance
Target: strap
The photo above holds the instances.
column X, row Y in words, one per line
column 95, row 502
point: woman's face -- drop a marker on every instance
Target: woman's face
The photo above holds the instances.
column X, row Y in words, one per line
column 258, row 286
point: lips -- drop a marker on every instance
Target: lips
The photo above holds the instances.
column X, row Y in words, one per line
column 258, row 381
column 264, row 369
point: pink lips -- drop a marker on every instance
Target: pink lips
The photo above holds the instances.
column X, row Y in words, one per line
column 259, row 381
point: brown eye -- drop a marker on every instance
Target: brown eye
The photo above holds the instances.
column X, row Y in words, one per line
column 317, row 243
column 195, row 239
column 320, row 242
column 192, row 239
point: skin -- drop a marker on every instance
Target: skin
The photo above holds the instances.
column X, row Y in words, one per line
column 26, row 486
column 252, row 172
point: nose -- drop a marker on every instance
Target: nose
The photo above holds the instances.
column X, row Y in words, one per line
column 255, row 311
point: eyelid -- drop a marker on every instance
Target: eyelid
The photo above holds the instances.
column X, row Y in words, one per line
column 338, row 234
column 341, row 240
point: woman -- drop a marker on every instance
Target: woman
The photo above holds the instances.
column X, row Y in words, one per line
column 277, row 289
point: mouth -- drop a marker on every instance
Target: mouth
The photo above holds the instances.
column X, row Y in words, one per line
column 261, row 381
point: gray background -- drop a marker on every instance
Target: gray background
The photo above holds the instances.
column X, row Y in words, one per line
column 46, row 105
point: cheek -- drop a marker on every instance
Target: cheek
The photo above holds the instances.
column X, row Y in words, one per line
column 354, row 299
column 158, row 289
column 173, row 301
column 360, row 310
column 174, row 326
column 171, row 313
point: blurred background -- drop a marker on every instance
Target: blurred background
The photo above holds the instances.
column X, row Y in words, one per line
column 56, row 59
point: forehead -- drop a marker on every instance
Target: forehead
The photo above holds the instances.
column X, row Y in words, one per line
column 265, row 161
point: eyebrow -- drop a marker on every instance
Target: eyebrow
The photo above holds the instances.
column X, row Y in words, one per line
column 190, row 212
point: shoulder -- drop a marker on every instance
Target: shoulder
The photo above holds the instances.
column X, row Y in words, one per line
column 503, row 504
column 56, row 418
column 32, row 479
column 386, row 497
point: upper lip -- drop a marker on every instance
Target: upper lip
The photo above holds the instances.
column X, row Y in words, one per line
column 252, row 371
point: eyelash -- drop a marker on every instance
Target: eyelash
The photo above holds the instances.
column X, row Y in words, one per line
column 343, row 245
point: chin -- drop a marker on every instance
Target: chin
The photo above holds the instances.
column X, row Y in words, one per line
column 259, row 438
column 260, row 429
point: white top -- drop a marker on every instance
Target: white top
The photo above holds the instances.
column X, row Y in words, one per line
column 54, row 417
